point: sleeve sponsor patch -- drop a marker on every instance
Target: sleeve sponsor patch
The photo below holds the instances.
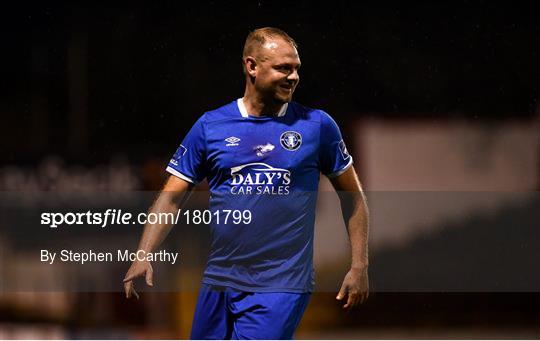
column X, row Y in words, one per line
column 181, row 151
column 343, row 150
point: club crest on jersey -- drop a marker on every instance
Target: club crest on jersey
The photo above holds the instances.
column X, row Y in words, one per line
column 291, row 140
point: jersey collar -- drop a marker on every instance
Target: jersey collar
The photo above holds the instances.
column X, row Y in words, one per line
column 244, row 113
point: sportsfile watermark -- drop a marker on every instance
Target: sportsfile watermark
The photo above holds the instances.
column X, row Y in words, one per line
column 119, row 216
column 420, row 241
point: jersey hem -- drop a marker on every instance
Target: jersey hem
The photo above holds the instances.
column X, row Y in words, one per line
column 254, row 289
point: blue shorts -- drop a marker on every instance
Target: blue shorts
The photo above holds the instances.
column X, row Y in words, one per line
column 225, row 313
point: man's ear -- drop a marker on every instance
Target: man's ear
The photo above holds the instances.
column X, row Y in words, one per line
column 251, row 66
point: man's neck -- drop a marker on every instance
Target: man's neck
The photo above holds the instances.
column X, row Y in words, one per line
column 255, row 106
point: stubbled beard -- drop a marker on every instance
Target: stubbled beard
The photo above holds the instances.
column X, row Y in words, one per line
column 273, row 94
column 287, row 99
column 281, row 100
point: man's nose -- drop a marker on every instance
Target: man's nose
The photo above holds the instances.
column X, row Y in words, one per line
column 293, row 76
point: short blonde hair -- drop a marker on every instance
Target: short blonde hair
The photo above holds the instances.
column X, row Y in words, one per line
column 257, row 38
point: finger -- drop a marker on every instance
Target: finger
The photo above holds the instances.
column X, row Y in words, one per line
column 127, row 288
column 134, row 292
column 342, row 292
column 130, row 277
column 350, row 300
column 150, row 276
column 364, row 297
column 357, row 300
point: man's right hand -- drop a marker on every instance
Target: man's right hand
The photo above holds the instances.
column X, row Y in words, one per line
column 168, row 201
column 138, row 269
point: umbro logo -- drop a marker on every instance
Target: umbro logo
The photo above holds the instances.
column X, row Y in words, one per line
column 232, row 141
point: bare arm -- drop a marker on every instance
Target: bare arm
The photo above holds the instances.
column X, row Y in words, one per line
column 174, row 193
column 356, row 216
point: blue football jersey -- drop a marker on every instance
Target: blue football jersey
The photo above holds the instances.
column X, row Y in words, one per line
column 269, row 165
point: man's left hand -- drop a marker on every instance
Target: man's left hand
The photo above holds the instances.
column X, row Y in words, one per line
column 356, row 286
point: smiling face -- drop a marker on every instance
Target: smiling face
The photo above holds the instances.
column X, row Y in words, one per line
column 273, row 70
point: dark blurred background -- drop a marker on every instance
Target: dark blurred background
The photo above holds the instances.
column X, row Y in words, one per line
column 430, row 97
column 88, row 81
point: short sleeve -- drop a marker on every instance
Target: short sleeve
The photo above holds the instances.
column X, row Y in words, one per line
column 334, row 158
column 188, row 161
